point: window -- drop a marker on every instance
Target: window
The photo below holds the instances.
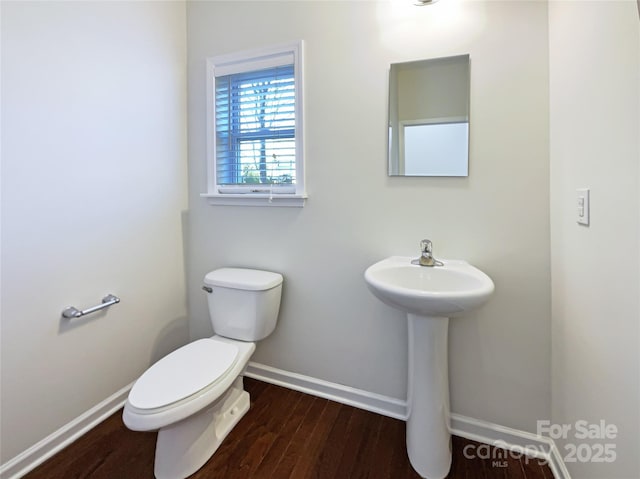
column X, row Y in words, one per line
column 435, row 147
column 254, row 128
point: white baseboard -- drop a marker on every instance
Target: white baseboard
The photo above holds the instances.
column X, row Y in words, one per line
column 469, row 428
column 556, row 463
column 58, row 440
column 501, row 436
column 485, row 432
column 385, row 405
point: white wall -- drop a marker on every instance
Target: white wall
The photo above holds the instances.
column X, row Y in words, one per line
column 595, row 135
column 330, row 326
column 93, row 191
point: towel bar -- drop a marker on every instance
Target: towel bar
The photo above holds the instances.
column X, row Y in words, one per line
column 72, row 312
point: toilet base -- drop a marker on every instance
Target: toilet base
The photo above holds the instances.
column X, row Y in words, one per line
column 184, row 447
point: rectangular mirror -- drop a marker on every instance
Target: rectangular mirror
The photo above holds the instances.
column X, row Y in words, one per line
column 429, row 117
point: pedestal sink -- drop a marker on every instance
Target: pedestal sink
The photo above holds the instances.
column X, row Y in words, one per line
column 429, row 296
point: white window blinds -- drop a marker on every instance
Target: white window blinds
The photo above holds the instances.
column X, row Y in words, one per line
column 255, row 152
column 255, row 130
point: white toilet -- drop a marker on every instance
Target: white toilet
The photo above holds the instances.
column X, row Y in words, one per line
column 195, row 395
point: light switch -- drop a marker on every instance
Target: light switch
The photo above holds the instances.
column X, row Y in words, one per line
column 583, row 206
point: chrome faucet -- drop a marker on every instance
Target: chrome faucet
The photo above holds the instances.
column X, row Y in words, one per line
column 426, row 254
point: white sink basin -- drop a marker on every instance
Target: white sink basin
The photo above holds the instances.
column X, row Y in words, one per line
column 429, row 296
column 443, row 291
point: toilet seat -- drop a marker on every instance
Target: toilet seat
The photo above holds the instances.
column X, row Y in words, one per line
column 183, row 373
column 141, row 419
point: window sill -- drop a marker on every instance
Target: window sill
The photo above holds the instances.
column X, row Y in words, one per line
column 260, row 199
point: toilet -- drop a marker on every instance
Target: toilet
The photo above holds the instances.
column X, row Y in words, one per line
column 194, row 396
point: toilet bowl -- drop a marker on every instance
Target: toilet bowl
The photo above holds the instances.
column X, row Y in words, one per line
column 195, row 396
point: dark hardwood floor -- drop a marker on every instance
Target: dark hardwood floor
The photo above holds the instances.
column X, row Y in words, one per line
column 285, row 435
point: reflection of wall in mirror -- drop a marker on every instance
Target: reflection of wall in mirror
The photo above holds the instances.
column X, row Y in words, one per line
column 433, row 89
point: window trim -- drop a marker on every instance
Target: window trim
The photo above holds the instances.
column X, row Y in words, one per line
column 250, row 60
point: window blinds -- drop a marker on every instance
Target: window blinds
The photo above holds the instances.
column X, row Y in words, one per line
column 255, row 130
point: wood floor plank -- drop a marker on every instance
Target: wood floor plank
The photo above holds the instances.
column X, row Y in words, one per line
column 458, row 459
column 400, row 465
column 285, row 435
column 307, row 462
column 296, row 448
column 267, row 431
column 235, row 457
column 329, row 457
column 98, row 454
column 270, row 462
column 355, row 433
column 368, row 449
column 389, row 449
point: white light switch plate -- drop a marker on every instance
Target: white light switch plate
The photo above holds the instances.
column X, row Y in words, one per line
column 582, row 206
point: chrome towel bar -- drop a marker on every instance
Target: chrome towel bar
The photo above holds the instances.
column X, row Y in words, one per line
column 72, row 312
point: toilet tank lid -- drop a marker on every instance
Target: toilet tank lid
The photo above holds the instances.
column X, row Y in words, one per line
column 243, row 278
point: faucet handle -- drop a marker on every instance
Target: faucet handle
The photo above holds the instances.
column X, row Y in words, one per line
column 426, row 246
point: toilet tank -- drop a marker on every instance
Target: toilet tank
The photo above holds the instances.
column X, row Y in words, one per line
column 243, row 303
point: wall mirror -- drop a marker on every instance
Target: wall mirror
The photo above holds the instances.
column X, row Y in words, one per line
column 429, row 117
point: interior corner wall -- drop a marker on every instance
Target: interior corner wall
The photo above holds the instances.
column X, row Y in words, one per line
column 93, row 197
column 595, row 143
column 330, row 326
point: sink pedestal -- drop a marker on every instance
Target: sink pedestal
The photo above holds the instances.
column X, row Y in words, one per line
column 428, row 436
column 429, row 296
